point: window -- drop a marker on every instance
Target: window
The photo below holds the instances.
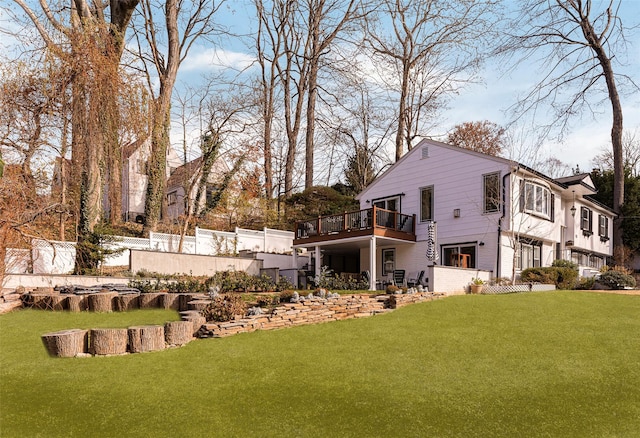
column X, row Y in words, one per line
column 529, row 255
column 491, row 192
column 462, row 255
column 211, row 192
column 388, row 261
column 392, row 203
column 172, row 198
column 426, row 204
column 586, row 218
column 603, row 227
column 535, row 199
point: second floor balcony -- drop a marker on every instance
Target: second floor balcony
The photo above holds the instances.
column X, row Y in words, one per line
column 368, row 222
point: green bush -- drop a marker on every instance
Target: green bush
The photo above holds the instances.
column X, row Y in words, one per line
column 585, row 283
column 562, row 277
column 147, row 286
column 224, row 307
column 616, row 280
column 188, row 285
column 564, row 264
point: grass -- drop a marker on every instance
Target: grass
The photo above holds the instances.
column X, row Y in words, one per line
column 560, row 364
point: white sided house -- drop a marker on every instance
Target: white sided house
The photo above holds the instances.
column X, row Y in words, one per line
column 134, row 177
column 444, row 206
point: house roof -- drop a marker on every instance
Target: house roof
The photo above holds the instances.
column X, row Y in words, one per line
column 184, row 173
column 581, row 183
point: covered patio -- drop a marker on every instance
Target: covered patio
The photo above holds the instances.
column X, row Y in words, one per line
column 347, row 234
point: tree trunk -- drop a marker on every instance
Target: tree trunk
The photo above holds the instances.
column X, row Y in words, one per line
column 178, row 332
column 150, row 300
column 156, row 184
column 108, row 341
column 616, row 133
column 77, row 303
column 124, row 302
column 146, row 338
column 311, row 121
column 101, row 301
column 402, row 110
column 66, row 343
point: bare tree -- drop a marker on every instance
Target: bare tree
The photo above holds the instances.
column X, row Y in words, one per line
column 630, row 154
column 88, row 38
column 361, row 118
column 163, row 43
column 269, row 44
column 438, row 36
column 580, row 44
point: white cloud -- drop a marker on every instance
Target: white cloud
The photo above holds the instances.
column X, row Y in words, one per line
column 205, row 59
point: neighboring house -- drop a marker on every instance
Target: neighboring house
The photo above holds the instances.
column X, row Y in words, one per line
column 444, row 205
column 134, row 177
column 186, row 178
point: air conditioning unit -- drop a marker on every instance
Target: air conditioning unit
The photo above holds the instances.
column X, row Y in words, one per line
column 568, row 243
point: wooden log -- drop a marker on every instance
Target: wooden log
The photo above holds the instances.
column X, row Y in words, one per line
column 150, row 300
column 198, row 304
column 77, row 303
column 66, row 343
column 146, row 338
column 108, row 341
column 170, row 301
column 101, row 301
column 58, row 302
column 178, row 332
column 197, row 321
column 124, row 302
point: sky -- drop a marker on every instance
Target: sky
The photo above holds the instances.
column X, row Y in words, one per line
column 487, row 100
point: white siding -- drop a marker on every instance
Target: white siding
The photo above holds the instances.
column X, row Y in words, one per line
column 457, row 179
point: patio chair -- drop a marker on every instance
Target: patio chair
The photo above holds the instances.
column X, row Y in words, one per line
column 412, row 282
column 398, row 278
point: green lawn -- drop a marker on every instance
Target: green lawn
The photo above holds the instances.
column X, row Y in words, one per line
column 560, row 364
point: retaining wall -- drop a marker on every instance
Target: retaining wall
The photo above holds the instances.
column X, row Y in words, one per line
column 314, row 311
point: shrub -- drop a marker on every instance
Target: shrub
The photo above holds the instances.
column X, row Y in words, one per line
column 146, row 286
column 283, row 284
column 392, row 289
column 224, row 307
column 562, row 277
column 192, row 285
column 268, row 301
column 564, row 264
column 286, row 295
column 585, row 283
column 617, row 280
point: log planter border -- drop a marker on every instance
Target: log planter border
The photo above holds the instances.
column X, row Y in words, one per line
column 118, row 341
column 106, row 301
column 312, row 310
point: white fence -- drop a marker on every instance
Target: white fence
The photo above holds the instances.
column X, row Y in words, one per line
column 51, row 257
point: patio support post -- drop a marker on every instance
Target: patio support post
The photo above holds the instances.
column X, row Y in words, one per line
column 372, row 263
column 295, row 268
column 318, row 261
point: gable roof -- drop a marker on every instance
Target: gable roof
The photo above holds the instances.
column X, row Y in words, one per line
column 582, row 183
column 184, row 173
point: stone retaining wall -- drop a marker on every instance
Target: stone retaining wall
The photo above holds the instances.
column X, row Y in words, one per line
column 314, row 311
